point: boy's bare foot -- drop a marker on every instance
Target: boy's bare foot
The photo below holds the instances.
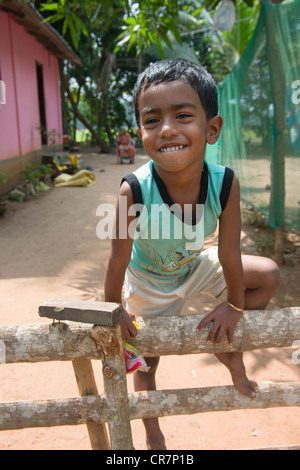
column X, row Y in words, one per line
column 234, row 362
column 154, row 437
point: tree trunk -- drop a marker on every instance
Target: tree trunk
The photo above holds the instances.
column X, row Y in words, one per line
column 278, row 87
column 104, row 118
column 104, row 147
column 104, row 78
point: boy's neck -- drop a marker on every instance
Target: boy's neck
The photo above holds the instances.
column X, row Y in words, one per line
column 181, row 179
column 184, row 186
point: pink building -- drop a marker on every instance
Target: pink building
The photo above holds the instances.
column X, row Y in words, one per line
column 30, row 93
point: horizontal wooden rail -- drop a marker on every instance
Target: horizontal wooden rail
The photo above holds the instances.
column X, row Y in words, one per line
column 257, row 329
column 94, row 409
column 156, row 336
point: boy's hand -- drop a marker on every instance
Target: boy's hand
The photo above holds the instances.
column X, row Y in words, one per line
column 224, row 320
column 127, row 327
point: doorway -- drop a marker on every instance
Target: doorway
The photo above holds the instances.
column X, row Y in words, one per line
column 42, row 105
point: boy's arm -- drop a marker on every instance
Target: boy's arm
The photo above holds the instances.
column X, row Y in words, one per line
column 229, row 247
column 117, row 263
column 224, row 316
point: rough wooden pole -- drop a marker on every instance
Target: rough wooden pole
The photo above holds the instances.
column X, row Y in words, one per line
column 110, row 347
column 85, row 379
column 255, row 330
column 93, row 409
column 156, row 337
column 279, row 245
column 152, row 404
column 278, row 90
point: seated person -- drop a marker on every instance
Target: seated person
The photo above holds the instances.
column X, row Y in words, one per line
column 125, row 145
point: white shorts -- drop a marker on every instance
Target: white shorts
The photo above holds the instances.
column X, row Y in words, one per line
column 148, row 296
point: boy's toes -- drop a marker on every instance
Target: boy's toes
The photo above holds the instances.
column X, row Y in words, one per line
column 252, row 389
column 253, row 385
column 247, row 387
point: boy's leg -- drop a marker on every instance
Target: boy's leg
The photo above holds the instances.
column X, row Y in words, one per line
column 146, row 381
column 261, row 278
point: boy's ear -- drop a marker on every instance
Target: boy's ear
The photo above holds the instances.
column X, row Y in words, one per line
column 139, row 132
column 214, row 129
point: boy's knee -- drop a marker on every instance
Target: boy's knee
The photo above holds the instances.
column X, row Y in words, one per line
column 272, row 274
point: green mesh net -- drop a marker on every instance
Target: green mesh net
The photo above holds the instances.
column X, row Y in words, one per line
column 260, row 104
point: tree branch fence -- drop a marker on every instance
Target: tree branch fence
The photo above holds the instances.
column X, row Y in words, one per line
column 95, row 334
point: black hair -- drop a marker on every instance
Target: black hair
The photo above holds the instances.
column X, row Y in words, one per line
column 169, row 70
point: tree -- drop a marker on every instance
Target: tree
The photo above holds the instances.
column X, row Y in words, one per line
column 93, row 28
column 106, row 33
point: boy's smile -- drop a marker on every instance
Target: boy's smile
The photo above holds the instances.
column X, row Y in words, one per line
column 174, row 126
column 171, row 149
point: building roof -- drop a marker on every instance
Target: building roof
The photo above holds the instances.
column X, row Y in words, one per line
column 26, row 15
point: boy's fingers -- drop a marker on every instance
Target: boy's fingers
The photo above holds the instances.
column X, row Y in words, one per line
column 213, row 332
column 203, row 323
column 230, row 336
column 132, row 316
column 220, row 335
column 132, row 330
column 125, row 333
column 128, row 330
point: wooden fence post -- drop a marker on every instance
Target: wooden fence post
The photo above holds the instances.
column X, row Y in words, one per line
column 85, row 378
column 110, row 346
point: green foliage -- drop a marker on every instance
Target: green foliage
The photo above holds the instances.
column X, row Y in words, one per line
column 3, row 178
column 135, row 33
column 150, row 23
column 34, row 173
column 144, row 22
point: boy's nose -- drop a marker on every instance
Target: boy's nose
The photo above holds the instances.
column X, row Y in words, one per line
column 168, row 129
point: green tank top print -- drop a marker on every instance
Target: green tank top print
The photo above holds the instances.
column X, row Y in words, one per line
column 167, row 241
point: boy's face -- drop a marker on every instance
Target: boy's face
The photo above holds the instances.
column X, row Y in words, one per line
column 174, row 128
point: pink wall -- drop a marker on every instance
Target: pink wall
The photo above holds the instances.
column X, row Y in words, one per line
column 19, row 117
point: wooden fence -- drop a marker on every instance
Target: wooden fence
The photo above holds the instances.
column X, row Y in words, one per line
column 80, row 342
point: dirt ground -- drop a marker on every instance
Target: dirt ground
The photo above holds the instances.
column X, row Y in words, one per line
column 49, row 248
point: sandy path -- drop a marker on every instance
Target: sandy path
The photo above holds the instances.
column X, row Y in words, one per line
column 49, row 248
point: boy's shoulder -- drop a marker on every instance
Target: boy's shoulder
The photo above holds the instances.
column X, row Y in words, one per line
column 140, row 180
column 214, row 168
column 220, row 182
column 144, row 171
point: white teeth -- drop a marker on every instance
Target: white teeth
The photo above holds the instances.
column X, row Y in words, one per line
column 171, row 149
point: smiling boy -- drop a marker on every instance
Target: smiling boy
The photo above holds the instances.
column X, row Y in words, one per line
column 176, row 111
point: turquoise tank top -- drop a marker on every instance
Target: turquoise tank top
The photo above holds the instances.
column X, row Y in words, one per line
column 167, row 242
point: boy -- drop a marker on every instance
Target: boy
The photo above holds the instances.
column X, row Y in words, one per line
column 176, row 111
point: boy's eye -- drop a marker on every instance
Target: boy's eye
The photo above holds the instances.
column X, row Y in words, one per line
column 151, row 121
column 184, row 115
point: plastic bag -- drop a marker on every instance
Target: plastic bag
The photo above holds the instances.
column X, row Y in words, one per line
column 224, row 17
column 134, row 360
